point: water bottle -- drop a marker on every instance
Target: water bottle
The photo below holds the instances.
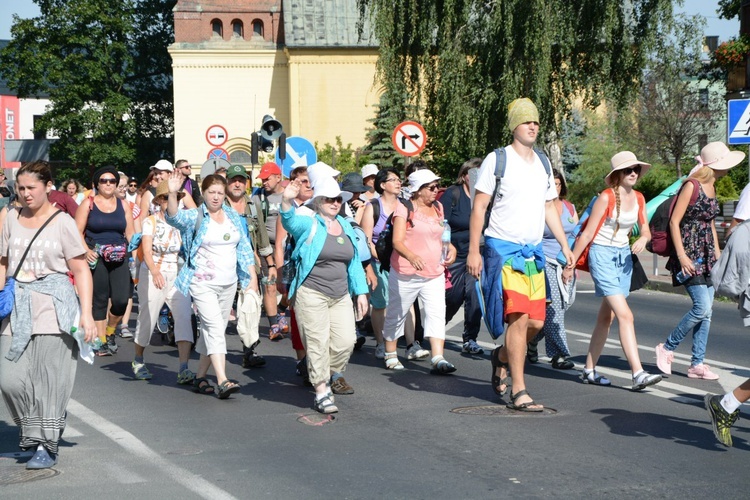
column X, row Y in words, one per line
column 446, row 241
column 682, row 276
column 132, row 268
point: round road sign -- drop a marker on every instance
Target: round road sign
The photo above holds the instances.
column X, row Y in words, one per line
column 216, row 135
column 409, row 138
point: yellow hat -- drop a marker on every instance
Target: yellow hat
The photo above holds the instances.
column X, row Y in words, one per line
column 520, row 111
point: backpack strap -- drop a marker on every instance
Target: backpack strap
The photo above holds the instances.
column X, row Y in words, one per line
column 377, row 209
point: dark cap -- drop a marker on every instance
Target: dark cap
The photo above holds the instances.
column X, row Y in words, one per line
column 237, row 171
column 353, row 183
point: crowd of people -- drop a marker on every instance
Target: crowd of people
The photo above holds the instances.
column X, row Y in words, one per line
column 321, row 253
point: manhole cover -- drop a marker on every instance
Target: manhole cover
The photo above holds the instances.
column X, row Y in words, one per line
column 500, row 411
column 316, row 419
column 19, row 474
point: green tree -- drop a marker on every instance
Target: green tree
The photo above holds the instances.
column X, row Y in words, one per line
column 391, row 112
column 106, row 71
column 729, row 9
column 462, row 62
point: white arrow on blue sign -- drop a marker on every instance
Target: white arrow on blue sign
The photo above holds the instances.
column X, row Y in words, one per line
column 738, row 121
column 299, row 153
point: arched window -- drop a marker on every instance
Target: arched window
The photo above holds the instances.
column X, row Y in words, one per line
column 217, row 28
column 241, row 156
column 258, row 28
column 238, row 29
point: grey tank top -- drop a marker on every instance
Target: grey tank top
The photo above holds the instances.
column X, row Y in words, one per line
column 329, row 274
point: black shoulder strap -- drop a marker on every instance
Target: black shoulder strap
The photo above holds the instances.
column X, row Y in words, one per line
column 376, row 210
column 456, row 196
column 20, row 262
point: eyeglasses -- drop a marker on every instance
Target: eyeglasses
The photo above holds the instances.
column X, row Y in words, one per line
column 393, row 179
column 108, row 180
column 133, row 184
column 305, row 182
column 431, row 187
column 337, row 199
column 630, row 170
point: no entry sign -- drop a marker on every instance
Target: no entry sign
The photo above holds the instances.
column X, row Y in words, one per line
column 409, row 138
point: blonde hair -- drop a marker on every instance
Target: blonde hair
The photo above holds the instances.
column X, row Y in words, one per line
column 703, row 175
column 614, row 183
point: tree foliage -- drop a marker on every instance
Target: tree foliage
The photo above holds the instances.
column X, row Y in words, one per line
column 461, row 62
column 729, row 9
column 106, row 70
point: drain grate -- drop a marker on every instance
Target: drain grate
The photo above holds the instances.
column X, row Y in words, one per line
column 316, row 419
column 13, row 474
column 500, row 411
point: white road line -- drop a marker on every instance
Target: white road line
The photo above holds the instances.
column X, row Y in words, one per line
column 132, row 444
column 730, row 375
column 71, row 432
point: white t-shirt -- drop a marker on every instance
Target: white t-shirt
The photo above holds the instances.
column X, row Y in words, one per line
column 216, row 260
column 607, row 236
column 165, row 245
column 518, row 211
column 742, row 210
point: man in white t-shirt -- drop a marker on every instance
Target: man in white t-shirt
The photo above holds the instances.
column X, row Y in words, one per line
column 513, row 279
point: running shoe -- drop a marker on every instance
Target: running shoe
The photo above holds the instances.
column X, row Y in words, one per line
column 702, row 371
column 472, row 347
column 283, row 323
column 721, row 419
column 380, row 351
column 163, row 324
column 125, row 332
column 140, row 372
column 664, row 358
column 415, row 352
column 275, row 333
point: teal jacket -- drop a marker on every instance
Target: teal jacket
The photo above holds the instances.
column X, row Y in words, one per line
column 299, row 226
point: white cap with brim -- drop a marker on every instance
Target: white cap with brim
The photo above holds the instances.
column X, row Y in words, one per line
column 329, row 188
column 369, row 169
column 163, row 165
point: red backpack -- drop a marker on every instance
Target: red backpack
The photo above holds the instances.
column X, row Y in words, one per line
column 661, row 241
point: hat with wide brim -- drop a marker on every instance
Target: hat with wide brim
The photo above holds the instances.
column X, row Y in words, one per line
column 419, row 178
column 320, row 170
column 163, row 190
column 354, row 183
column 327, row 187
column 717, row 156
column 623, row 160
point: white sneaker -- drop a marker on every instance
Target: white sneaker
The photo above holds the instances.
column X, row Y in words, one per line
column 415, row 352
column 380, row 351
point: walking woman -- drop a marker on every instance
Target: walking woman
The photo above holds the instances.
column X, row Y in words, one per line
column 106, row 226
column 161, row 246
column 417, row 271
column 328, row 273
column 38, row 351
column 456, row 201
column 218, row 253
column 561, row 285
column 388, row 186
column 694, row 239
column 615, row 213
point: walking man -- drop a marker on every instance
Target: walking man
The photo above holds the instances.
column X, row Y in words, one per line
column 513, row 277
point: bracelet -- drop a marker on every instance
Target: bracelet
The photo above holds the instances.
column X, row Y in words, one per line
column 271, row 265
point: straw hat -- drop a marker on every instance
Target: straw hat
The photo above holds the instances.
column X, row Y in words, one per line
column 163, row 190
column 716, row 155
column 623, row 160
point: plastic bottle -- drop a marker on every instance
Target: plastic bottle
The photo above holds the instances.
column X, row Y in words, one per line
column 682, row 276
column 132, row 268
column 446, row 241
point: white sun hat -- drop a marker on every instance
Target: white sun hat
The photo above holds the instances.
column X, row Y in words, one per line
column 329, row 188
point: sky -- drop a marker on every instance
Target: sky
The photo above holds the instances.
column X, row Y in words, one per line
column 707, row 8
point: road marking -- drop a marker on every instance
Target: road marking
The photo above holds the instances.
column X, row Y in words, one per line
column 730, row 375
column 132, row 444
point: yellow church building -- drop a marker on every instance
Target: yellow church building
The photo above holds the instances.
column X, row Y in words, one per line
column 304, row 62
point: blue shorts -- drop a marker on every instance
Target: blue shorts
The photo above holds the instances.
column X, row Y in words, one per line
column 611, row 269
column 379, row 296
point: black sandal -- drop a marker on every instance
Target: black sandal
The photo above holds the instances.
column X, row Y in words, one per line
column 496, row 380
column 532, row 352
column 227, row 388
column 560, row 362
column 527, row 407
column 202, row 386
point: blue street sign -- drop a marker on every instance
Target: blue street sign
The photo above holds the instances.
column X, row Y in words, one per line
column 299, row 153
column 738, row 121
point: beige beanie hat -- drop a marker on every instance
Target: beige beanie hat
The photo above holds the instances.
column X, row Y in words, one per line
column 520, row 111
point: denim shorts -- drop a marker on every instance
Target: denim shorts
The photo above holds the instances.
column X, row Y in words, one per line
column 611, row 269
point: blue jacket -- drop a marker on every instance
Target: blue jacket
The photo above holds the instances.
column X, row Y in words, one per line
column 496, row 253
column 185, row 221
column 299, row 226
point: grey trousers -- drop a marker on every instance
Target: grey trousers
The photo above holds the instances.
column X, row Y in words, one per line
column 36, row 389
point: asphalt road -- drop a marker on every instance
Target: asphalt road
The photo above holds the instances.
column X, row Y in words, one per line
column 397, row 436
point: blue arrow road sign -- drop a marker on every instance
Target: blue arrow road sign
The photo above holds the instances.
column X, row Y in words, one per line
column 738, row 121
column 299, row 153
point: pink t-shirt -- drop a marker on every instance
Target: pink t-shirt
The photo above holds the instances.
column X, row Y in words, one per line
column 424, row 240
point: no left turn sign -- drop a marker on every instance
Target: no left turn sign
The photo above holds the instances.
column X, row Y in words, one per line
column 409, row 138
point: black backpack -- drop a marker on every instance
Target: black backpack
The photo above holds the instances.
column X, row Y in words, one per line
column 384, row 246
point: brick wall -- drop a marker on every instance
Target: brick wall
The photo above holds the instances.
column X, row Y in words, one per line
column 193, row 21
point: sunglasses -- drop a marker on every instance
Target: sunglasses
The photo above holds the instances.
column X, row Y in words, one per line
column 337, row 199
column 431, row 187
column 630, row 170
column 108, row 180
column 133, row 184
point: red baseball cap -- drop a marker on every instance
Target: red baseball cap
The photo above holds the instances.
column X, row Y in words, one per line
column 268, row 169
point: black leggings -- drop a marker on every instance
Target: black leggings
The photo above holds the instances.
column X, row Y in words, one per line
column 111, row 281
